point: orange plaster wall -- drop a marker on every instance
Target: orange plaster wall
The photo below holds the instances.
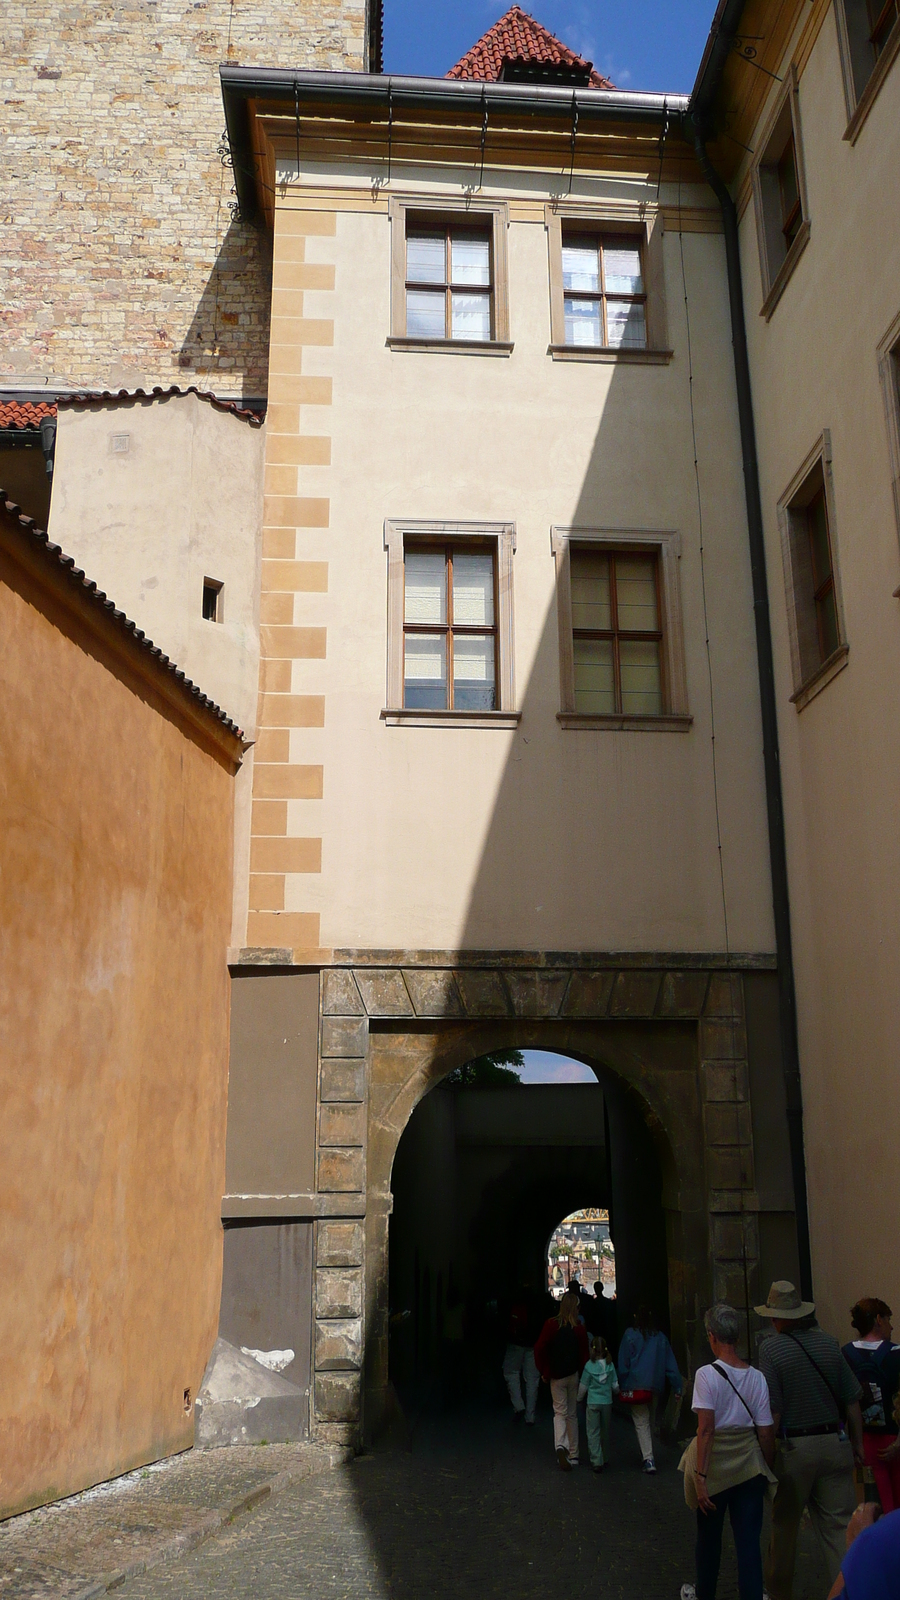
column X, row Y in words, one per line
column 115, row 907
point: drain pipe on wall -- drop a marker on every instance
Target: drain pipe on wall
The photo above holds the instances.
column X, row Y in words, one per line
column 787, row 996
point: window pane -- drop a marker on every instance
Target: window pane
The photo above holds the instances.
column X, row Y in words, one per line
column 425, row 314
column 787, row 177
column 470, row 316
column 580, row 267
column 622, row 269
column 470, row 259
column 425, row 672
column 473, row 589
column 636, row 594
column 590, row 590
column 640, row 674
column 829, row 637
column 594, row 683
column 818, row 538
column 626, row 325
column 426, row 258
column 426, row 586
column 583, row 326
column 473, row 672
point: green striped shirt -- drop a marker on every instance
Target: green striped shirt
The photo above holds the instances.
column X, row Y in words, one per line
column 798, row 1394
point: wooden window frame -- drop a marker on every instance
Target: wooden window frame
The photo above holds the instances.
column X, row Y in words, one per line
column 666, row 547
column 815, row 475
column 600, row 223
column 777, row 261
column 861, row 87
column 501, row 538
column 451, row 629
column 494, row 216
column 889, row 370
column 451, row 226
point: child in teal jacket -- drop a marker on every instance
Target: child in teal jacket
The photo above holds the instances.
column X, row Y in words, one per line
column 598, row 1383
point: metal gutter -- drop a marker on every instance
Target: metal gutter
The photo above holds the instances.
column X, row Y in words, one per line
column 718, row 49
column 373, row 92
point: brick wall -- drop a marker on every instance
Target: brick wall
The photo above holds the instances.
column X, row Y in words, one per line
column 120, row 261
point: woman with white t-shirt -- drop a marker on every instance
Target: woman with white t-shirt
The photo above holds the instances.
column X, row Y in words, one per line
column 728, row 1466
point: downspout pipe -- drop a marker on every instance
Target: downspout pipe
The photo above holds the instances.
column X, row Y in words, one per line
column 787, row 994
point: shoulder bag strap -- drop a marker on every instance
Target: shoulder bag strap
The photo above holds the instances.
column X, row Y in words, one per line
column 813, row 1362
column 724, row 1374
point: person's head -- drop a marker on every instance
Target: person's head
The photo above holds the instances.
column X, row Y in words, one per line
column 568, row 1310
column 722, row 1326
column 598, row 1288
column 872, row 1318
column 599, row 1351
column 785, row 1309
column 643, row 1319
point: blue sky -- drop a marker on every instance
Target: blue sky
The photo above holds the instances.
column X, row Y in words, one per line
column 543, row 1066
column 640, row 44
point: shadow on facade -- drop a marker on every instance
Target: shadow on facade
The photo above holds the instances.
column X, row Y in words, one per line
column 228, row 337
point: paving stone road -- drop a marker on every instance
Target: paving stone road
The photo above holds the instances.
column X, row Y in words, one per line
column 476, row 1508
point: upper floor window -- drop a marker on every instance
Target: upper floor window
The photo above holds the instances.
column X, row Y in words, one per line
column 780, row 195
column 449, row 630
column 449, row 278
column 603, row 291
column 869, row 36
column 620, row 636
column 806, row 512
column 889, row 367
column 449, row 289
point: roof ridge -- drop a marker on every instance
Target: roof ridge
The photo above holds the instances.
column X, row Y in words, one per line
column 39, row 539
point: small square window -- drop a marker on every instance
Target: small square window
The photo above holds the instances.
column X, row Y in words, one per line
column 213, row 595
column 869, row 37
column 780, row 194
column 806, row 513
column 449, row 277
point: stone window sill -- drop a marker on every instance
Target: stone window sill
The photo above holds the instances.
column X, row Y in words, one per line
column 451, row 719
column 828, row 670
column 454, row 347
column 603, row 353
column 785, row 271
column 871, row 91
column 672, row 722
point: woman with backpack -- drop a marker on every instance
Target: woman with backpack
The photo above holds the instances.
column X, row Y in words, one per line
column 875, row 1361
column 560, row 1355
column 646, row 1360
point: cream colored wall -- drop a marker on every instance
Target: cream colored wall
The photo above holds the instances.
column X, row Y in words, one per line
column 535, row 838
column 814, row 367
column 149, row 524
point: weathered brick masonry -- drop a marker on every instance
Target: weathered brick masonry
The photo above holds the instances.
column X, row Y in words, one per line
column 120, row 261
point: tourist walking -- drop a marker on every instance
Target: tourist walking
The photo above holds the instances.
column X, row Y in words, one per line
column 875, row 1361
column 561, row 1353
column 728, row 1465
column 598, row 1385
column 646, row 1361
column 524, row 1326
column 811, row 1390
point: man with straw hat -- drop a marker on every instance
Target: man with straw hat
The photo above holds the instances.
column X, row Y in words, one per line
column 813, row 1394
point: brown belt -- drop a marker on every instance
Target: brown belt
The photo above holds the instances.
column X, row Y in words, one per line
column 808, row 1433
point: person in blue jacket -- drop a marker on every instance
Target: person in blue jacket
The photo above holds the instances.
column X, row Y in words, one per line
column 646, row 1361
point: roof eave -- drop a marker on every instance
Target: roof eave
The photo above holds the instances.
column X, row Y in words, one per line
column 719, row 45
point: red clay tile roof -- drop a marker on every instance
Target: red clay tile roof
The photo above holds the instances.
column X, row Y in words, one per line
column 13, row 517
column 518, row 38
column 25, row 413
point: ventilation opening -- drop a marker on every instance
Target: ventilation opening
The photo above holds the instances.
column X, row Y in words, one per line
column 188, row 1402
column 212, row 600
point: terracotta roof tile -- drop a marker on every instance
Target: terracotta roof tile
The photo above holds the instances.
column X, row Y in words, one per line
column 15, row 519
column 517, row 39
column 25, row 413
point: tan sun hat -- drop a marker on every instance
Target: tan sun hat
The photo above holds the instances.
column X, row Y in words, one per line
column 784, row 1301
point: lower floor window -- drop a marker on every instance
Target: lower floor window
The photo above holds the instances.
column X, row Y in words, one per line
column 449, row 629
column 616, row 633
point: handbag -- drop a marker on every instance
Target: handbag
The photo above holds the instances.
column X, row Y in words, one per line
column 636, row 1397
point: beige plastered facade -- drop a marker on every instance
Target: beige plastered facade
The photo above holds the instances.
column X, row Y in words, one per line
column 817, row 386
column 116, row 844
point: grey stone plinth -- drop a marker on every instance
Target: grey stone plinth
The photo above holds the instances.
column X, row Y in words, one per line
column 342, row 1081
column 682, row 994
column 344, row 1037
column 723, row 1039
column 434, row 994
column 725, row 1080
column 728, row 1124
column 340, row 996
column 339, row 1345
column 384, row 993
column 634, row 994
column 342, row 1171
column 588, row 994
column 483, row 994
column 342, row 1125
column 536, row 994
column 340, row 1244
column 337, row 1396
column 338, row 1292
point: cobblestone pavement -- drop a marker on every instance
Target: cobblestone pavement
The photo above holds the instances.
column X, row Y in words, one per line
column 63, row 1549
column 476, row 1508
